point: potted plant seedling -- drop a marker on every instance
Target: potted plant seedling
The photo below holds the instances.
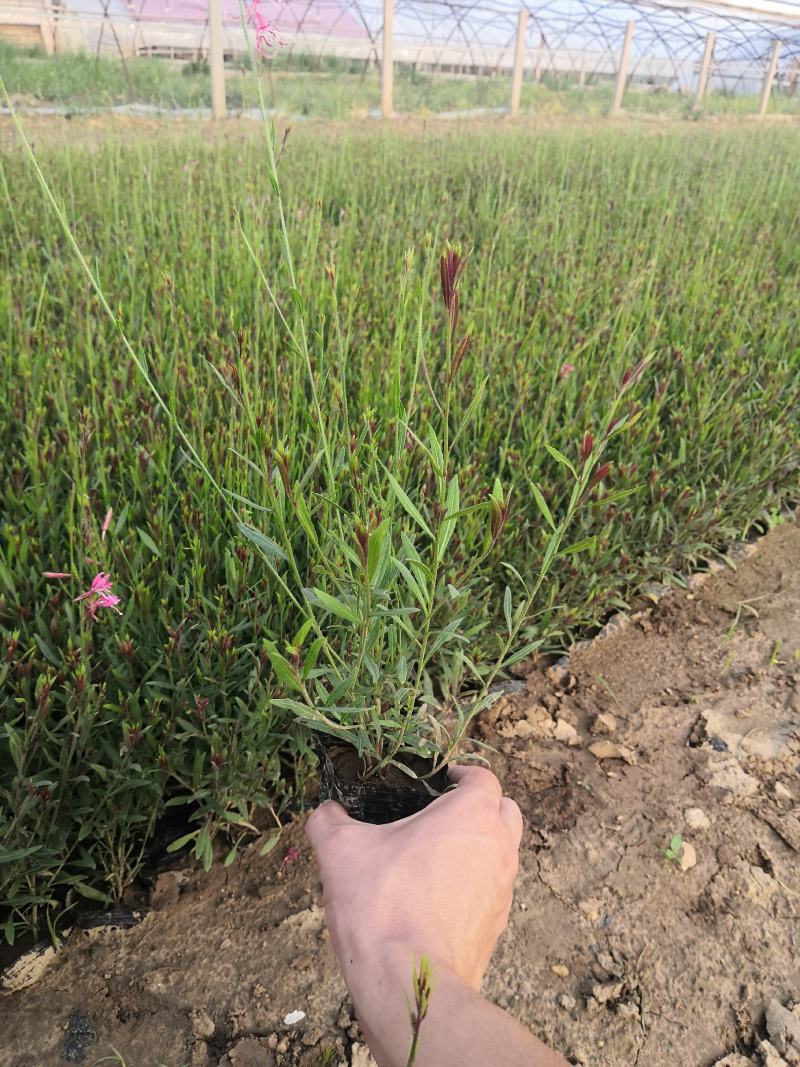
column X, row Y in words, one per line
column 380, row 600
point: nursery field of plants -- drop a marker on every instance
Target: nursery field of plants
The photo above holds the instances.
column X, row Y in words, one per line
column 335, row 445
column 325, row 87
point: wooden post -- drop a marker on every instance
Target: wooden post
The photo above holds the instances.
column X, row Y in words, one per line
column 770, row 78
column 622, row 70
column 215, row 59
column 582, row 75
column 705, row 67
column 387, row 65
column 519, row 62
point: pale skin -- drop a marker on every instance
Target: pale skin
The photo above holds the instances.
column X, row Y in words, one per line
column 437, row 884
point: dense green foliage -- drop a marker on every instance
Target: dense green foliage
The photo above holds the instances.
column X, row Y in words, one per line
column 589, row 253
column 297, row 85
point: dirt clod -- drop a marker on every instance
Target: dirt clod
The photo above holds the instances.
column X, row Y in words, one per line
column 202, row 1024
column 688, row 856
column 696, row 819
column 783, row 1028
column 603, row 723
column 611, row 750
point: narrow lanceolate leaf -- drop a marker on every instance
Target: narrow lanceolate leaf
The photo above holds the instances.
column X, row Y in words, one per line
column 448, row 633
column 562, row 459
column 473, row 407
column 284, row 671
column 579, row 546
column 521, row 653
column 260, row 540
column 332, row 604
column 541, row 503
column 408, row 506
column 377, row 550
column 304, row 515
column 507, row 608
column 436, row 450
column 413, row 584
column 451, row 511
column 148, row 540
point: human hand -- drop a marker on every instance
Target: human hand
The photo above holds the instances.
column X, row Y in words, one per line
column 438, row 883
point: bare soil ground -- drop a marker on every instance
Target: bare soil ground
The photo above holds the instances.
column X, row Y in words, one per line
column 684, row 721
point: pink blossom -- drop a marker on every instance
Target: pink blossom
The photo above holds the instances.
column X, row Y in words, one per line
column 55, row 574
column 101, row 583
column 266, row 34
column 106, row 524
column 566, row 370
column 104, row 600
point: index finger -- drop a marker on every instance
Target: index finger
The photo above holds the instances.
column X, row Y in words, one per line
column 471, row 779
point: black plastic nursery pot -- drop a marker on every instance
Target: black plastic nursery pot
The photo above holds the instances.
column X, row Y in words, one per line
column 382, row 798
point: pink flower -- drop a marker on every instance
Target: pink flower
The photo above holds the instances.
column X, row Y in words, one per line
column 99, row 595
column 266, row 34
column 566, row 370
column 55, row 574
column 101, row 583
column 106, row 524
column 292, row 855
column 104, row 600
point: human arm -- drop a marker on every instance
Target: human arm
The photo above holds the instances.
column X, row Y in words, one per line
column 437, row 884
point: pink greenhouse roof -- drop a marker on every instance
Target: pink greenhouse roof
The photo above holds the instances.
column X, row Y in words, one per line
column 316, row 16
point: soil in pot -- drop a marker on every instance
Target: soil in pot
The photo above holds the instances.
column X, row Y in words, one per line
column 384, row 797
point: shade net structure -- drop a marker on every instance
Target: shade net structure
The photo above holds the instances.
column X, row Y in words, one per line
column 448, row 56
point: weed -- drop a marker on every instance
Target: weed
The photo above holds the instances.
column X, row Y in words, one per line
column 672, row 853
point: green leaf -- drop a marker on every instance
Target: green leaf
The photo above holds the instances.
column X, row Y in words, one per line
column 12, row 855
column 332, row 604
column 436, row 451
column 521, row 653
column 304, row 515
column 14, row 746
column 451, row 507
column 507, row 608
column 407, row 505
column 542, row 505
column 204, row 850
column 446, row 634
column 579, row 546
column 473, row 407
column 377, row 549
column 416, row 590
column 561, row 459
column 310, row 662
column 260, row 540
column 298, row 300
column 270, row 843
column 181, row 842
column 149, row 542
column 283, row 669
column 90, row 892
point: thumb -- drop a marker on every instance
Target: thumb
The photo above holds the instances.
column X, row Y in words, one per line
column 323, row 820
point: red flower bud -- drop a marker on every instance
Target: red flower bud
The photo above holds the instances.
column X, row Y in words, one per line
column 587, row 447
column 599, row 475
